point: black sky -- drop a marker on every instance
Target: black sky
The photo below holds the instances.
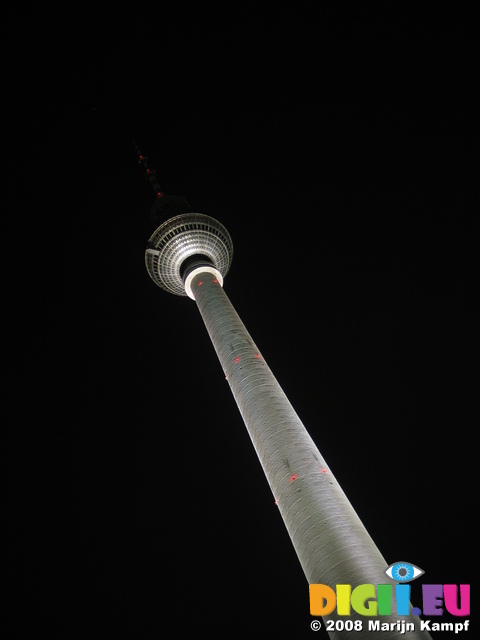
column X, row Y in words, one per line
column 338, row 151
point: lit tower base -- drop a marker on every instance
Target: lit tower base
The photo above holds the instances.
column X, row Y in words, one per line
column 190, row 254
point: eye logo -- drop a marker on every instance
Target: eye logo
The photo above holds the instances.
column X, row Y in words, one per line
column 403, row 571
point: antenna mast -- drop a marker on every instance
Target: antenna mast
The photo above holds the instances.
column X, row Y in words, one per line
column 165, row 205
column 150, row 174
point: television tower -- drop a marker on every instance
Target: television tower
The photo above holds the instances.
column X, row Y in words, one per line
column 190, row 254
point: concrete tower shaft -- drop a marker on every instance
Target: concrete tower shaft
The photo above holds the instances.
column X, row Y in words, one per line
column 329, row 538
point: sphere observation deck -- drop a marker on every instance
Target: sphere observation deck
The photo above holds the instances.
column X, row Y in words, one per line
column 183, row 243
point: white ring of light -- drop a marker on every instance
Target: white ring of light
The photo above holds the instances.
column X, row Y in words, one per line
column 195, row 272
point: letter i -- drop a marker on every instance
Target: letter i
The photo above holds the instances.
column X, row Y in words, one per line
column 344, row 592
column 384, row 592
column 403, row 599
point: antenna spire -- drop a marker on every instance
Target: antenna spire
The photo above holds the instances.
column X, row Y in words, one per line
column 165, row 205
column 149, row 173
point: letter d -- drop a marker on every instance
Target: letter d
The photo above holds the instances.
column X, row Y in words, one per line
column 322, row 599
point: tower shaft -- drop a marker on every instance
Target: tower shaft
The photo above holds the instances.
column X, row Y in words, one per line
column 329, row 538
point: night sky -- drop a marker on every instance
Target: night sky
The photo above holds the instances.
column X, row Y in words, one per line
column 337, row 149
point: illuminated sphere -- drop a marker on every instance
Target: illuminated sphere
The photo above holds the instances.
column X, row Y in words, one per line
column 187, row 240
